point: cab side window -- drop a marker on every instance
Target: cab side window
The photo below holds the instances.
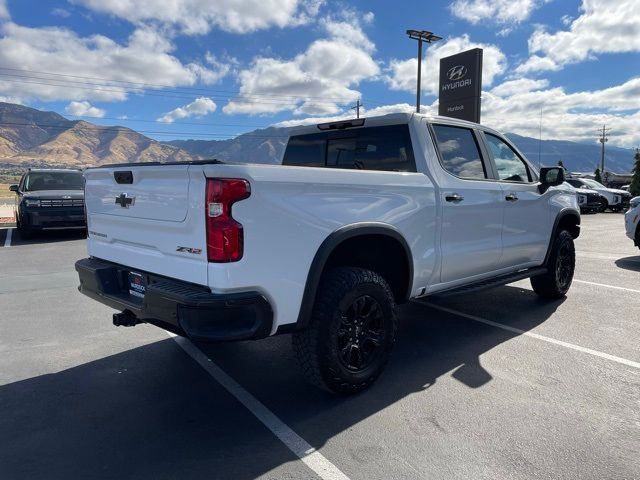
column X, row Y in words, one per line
column 459, row 152
column 509, row 165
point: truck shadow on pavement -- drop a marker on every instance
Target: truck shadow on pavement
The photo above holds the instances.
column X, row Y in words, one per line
column 151, row 412
column 629, row 263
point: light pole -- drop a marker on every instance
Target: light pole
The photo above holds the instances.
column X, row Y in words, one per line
column 421, row 36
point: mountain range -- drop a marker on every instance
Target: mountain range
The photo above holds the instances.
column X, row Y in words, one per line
column 31, row 137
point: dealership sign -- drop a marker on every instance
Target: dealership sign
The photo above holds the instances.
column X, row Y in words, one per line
column 461, row 85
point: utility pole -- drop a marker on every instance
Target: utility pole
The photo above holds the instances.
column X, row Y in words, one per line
column 357, row 108
column 421, row 36
column 603, row 139
column 540, row 142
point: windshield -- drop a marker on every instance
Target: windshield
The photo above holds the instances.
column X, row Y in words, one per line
column 36, row 181
column 593, row 183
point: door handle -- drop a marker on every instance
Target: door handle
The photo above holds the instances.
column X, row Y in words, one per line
column 511, row 197
column 454, row 197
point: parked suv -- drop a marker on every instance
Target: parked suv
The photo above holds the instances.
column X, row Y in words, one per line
column 615, row 200
column 632, row 221
column 49, row 199
column 589, row 200
column 362, row 215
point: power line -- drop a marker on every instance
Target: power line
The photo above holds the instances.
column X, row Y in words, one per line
column 167, row 94
column 132, row 86
column 128, row 130
column 147, row 120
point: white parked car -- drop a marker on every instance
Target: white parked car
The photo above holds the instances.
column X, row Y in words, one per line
column 632, row 221
column 362, row 215
column 614, row 199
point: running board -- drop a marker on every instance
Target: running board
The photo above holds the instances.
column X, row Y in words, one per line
column 492, row 282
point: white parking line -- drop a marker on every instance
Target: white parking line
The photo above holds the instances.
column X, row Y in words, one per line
column 596, row 353
column 607, row 286
column 7, row 240
column 305, row 452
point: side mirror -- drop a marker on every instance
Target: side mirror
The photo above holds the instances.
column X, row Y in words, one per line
column 13, row 188
column 551, row 177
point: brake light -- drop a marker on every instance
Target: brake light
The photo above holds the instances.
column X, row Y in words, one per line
column 225, row 237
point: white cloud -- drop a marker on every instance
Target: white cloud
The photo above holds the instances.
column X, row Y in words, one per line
column 84, row 109
column 402, row 73
column 520, row 85
column 605, row 26
column 568, row 116
column 499, row 11
column 196, row 17
column 146, row 57
column 4, row 11
column 198, row 108
column 315, row 82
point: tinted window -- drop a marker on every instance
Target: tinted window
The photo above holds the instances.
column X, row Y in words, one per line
column 575, row 183
column 305, row 151
column 376, row 148
column 36, row 181
column 459, row 152
column 509, row 165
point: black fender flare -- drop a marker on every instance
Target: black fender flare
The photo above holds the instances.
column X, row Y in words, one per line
column 324, row 252
column 556, row 225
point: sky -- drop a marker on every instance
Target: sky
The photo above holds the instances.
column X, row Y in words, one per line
column 213, row 69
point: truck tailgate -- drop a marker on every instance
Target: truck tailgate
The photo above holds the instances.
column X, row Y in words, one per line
column 149, row 218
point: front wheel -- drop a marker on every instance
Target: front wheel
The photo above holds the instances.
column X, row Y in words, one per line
column 352, row 330
column 561, row 265
column 25, row 233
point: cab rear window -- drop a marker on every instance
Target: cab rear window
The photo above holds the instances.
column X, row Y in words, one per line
column 386, row 148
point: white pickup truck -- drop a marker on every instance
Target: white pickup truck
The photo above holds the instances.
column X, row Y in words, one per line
column 362, row 215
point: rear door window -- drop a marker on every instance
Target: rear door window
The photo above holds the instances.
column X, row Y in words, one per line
column 459, row 152
column 386, row 148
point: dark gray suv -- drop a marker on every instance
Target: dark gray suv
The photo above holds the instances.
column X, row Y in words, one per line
column 49, row 199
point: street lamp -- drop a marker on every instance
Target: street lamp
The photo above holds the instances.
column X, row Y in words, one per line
column 421, row 36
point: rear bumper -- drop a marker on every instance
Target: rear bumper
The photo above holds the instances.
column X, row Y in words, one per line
column 180, row 307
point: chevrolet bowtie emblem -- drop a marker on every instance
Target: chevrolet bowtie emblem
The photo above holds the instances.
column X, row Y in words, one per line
column 125, row 201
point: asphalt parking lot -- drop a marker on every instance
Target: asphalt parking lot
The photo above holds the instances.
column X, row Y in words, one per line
column 492, row 385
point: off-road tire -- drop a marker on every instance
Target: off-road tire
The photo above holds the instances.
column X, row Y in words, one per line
column 561, row 265
column 319, row 348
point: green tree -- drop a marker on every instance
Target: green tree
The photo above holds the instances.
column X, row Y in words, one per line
column 635, row 182
column 598, row 176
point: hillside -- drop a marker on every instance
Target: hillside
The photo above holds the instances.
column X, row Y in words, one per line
column 259, row 146
column 30, row 137
column 576, row 157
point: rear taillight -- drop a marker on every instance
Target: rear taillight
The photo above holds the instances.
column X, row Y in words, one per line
column 225, row 238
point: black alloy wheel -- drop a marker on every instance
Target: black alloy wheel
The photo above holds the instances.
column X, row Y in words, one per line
column 565, row 264
column 361, row 333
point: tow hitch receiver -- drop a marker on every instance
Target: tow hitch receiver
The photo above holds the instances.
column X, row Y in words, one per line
column 125, row 319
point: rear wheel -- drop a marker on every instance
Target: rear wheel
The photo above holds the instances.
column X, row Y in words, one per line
column 352, row 330
column 561, row 265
